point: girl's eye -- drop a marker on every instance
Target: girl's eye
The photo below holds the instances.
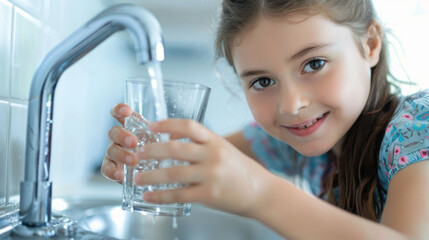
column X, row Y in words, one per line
column 261, row 83
column 313, row 65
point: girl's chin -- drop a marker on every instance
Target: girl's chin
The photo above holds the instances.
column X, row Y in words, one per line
column 311, row 151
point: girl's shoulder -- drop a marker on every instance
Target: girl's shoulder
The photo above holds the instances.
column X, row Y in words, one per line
column 406, row 139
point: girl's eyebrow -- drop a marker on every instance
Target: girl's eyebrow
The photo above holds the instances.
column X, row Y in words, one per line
column 245, row 74
column 307, row 50
column 300, row 54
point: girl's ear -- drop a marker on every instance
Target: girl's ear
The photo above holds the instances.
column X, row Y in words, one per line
column 373, row 43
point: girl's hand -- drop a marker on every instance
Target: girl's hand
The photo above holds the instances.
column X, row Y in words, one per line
column 219, row 175
column 120, row 140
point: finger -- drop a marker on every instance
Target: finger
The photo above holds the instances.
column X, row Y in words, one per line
column 118, row 154
column 177, row 174
column 123, row 137
column 184, row 151
column 120, row 112
column 183, row 128
column 111, row 170
column 178, row 195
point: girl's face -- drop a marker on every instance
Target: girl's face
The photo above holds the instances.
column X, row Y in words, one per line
column 305, row 81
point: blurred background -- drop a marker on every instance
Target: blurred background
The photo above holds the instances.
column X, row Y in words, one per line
column 87, row 91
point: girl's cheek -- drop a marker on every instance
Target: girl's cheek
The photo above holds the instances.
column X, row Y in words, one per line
column 335, row 85
column 258, row 110
column 261, row 108
column 330, row 87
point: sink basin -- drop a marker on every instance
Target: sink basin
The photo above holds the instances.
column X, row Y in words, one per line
column 106, row 217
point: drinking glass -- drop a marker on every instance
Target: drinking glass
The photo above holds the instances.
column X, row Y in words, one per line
column 182, row 100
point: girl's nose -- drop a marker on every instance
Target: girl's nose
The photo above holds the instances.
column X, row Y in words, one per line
column 292, row 100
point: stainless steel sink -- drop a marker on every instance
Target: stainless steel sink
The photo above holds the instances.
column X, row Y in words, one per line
column 106, row 217
column 95, row 207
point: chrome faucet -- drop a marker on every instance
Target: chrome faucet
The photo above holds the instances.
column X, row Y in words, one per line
column 36, row 189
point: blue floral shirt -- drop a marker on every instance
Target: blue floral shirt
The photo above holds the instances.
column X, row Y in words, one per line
column 405, row 142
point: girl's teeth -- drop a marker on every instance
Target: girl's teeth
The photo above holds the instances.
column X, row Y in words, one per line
column 308, row 125
column 314, row 121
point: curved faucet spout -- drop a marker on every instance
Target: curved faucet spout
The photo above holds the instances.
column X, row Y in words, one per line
column 36, row 189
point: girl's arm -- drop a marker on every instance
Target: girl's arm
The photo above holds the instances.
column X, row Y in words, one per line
column 297, row 215
column 335, row 217
column 407, row 204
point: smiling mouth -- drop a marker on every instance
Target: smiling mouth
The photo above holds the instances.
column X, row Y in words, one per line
column 308, row 123
column 307, row 128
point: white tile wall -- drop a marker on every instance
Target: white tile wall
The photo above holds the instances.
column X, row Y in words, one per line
column 5, row 41
column 4, row 136
column 18, row 123
column 27, row 52
column 22, row 46
column 36, row 8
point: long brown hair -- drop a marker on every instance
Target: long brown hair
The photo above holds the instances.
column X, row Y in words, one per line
column 355, row 171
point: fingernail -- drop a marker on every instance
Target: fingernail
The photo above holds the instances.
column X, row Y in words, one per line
column 123, row 111
column 129, row 141
column 117, row 175
column 129, row 160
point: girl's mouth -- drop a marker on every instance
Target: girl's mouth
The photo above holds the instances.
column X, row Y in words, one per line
column 305, row 129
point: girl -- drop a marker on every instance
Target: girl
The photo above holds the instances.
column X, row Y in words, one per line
column 315, row 75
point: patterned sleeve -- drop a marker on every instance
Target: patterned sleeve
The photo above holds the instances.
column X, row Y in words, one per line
column 407, row 136
column 274, row 154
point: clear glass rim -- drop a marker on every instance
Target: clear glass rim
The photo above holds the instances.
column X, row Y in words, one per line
column 167, row 83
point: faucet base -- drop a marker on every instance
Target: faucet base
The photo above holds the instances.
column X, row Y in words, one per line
column 35, row 207
column 30, row 232
column 60, row 227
